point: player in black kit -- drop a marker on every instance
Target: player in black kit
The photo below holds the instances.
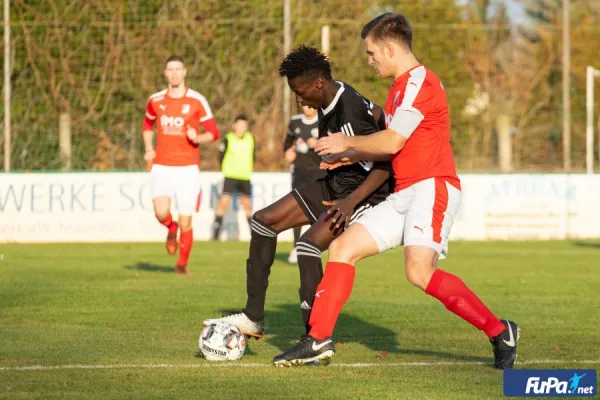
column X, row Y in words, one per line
column 300, row 139
column 329, row 204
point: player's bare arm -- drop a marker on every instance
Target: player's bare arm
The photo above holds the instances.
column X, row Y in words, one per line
column 349, row 157
column 211, row 132
column 289, row 151
column 148, row 133
column 342, row 209
column 203, row 138
column 333, row 161
column 384, row 142
column 149, row 153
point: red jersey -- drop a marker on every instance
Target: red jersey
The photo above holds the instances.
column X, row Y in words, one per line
column 174, row 116
column 417, row 108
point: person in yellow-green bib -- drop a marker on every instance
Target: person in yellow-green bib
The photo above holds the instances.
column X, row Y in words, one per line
column 237, row 153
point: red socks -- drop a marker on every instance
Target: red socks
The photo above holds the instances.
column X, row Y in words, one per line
column 170, row 224
column 332, row 293
column 336, row 286
column 186, row 239
column 457, row 297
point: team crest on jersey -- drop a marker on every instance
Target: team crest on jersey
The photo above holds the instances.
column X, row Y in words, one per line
column 185, row 109
column 314, row 132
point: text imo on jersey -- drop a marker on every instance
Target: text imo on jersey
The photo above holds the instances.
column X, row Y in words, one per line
column 550, row 383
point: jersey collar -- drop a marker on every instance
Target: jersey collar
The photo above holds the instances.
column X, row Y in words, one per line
column 307, row 121
column 335, row 99
column 407, row 73
column 177, row 98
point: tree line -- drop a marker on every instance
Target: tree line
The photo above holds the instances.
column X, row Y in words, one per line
column 99, row 60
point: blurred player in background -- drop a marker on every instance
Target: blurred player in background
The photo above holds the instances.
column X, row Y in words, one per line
column 300, row 140
column 420, row 212
column 237, row 153
column 178, row 112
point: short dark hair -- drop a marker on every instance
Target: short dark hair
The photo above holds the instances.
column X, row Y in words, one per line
column 305, row 62
column 241, row 117
column 394, row 26
column 174, row 58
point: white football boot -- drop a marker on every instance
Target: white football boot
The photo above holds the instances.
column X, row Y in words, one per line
column 243, row 323
column 293, row 257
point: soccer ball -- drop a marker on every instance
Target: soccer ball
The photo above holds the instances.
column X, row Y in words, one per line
column 222, row 342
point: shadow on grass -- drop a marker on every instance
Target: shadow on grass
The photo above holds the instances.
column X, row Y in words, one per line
column 591, row 245
column 283, row 257
column 284, row 327
column 149, row 267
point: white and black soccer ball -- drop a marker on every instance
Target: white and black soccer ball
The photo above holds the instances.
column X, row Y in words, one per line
column 222, row 342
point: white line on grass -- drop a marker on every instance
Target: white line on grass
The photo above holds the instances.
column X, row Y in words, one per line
column 257, row 365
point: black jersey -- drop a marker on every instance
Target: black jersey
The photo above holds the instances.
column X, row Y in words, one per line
column 352, row 114
column 299, row 131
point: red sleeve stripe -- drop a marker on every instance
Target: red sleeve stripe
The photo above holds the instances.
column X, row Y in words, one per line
column 209, row 125
column 147, row 125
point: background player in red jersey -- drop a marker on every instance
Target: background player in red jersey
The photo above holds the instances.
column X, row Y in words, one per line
column 178, row 112
column 418, row 214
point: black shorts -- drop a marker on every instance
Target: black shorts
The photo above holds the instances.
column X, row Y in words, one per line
column 303, row 177
column 311, row 196
column 242, row 187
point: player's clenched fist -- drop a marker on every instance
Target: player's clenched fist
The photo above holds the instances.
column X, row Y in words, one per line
column 334, row 143
column 149, row 155
column 192, row 134
column 290, row 155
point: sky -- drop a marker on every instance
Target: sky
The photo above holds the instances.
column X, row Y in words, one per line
column 516, row 11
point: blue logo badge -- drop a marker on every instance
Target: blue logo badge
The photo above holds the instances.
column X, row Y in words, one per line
column 550, row 383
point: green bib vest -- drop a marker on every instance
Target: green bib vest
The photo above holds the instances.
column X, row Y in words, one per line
column 238, row 162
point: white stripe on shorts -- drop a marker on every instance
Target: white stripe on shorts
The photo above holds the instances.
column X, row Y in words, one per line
column 306, row 205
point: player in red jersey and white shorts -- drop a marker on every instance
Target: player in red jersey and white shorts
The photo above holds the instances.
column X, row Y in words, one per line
column 420, row 212
column 178, row 113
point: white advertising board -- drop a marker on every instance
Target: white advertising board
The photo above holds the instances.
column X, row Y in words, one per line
column 117, row 207
column 114, row 207
column 528, row 207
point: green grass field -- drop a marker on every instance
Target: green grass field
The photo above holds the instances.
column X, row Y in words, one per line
column 116, row 323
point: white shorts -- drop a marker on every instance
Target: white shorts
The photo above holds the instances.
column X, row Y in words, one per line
column 420, row 215
column 179, row 183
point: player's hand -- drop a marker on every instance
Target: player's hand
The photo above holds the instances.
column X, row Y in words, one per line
column 334, row 161
column 149, row 155
column 311, row 142
column 290, row 155
column 340, row 211
column 334, row 143
column 192, row 134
